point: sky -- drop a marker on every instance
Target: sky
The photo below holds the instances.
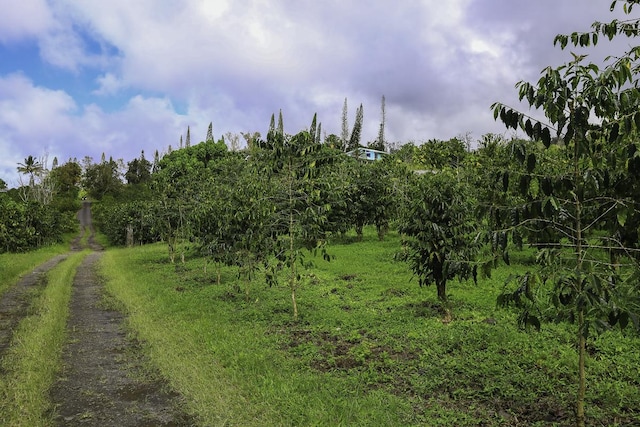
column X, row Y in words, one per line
column 84, row 77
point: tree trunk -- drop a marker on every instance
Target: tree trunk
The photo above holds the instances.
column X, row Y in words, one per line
column 442, row 291
column 441, row 285
column 582, row 350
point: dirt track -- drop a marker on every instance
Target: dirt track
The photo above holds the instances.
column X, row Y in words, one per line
column 105, row 379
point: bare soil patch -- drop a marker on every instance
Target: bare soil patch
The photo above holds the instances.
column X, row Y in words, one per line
column 105, row 379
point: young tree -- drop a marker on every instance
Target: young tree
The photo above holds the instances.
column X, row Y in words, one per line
column 593, row 112
column 299, row 214
column 442, row 237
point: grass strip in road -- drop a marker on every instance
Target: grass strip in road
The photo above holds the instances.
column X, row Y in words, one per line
column 15, row 265
column 30, row 365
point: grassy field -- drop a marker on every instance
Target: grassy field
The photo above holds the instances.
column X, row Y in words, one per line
column 30, row 366
column 369, row 347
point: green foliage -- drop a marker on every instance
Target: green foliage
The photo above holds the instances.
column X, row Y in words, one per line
column 138, row 171
column 29, row 225
column 299, row 214
column 436, row 154
column 374, row 194
column 102, row 179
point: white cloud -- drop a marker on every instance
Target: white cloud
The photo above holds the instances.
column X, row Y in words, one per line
column 26, row 19
column 108, row 84
column 440, row 65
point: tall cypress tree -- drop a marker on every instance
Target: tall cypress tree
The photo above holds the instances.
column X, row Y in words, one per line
column 210, row 132
column 344, row 136
column 356, row 133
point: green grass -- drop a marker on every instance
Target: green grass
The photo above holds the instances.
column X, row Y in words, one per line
column 15, row 265
column 32, row 361
column 369, row 347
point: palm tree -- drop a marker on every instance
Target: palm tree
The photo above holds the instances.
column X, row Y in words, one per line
column 30, row 167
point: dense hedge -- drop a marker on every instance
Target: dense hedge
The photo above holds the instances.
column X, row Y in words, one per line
column 29, row 225
column 112, row 219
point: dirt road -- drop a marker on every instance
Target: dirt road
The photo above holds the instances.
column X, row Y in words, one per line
column 105, row 379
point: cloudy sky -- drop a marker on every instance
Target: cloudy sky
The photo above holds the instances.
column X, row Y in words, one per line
column 85, row 77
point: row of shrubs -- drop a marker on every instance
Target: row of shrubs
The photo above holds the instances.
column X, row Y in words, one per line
column 29, row 225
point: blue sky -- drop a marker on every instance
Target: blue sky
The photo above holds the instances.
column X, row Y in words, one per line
column 83, row 77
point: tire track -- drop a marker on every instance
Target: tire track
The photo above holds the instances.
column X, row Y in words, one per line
column 15, row 302
column 105, row 379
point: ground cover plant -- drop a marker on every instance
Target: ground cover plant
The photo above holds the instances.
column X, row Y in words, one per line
column 368, row 348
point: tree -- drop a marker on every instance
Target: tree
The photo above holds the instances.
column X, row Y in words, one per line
column 280, row 128
column 344, row 135
column 356, row 133
column 251, row 138
column 102, row 178
column 3, row 185
column 233, row 141
column 31, row 167
column 210, row 133
column 313, row 127
column 592, row 110
column 299, row 214
column 380, row 143
column 187, row 142
column 65, row 180
column 138, row 171
column 442, row 238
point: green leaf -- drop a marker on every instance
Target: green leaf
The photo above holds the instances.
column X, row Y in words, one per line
column 613, row 134
column 623, row 319
column 622, row 217
column 531, row 162
column 546, row 137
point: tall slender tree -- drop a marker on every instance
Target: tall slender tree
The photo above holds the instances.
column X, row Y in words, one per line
column 344, row 135
column 356, row 133
column 381, row 142
column 280, row 129
column 210, row 133
column 312, row 128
